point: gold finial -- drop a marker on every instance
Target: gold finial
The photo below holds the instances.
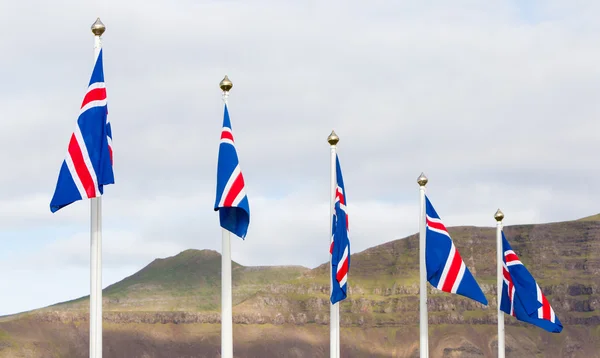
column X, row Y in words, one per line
column 422, row 180
column 226, row 84
column 333, row 139
column 499, row 215
column 98, row 27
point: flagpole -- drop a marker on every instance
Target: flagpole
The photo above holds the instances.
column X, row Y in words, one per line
column 93, row 276
column 334, row 314
column 226, row 294
column 499, row 216
column 98, row 29
column 423, row 320
column 99, row 317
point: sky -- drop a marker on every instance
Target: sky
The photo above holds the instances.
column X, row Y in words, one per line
column 495, row 101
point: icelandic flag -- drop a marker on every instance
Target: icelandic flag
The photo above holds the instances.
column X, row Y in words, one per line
column 521, row 295
column 88, row 164
column 340, row 244
column 231, row 202
column 446, row 270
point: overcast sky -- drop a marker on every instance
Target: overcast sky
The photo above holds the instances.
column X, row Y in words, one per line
column 496, row 101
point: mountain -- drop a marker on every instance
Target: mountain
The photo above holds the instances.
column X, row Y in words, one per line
column 171, row 307
column 189, row 282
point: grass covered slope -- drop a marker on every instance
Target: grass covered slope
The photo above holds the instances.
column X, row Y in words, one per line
column 383, row 281
column 189, row 281
column 178, row 299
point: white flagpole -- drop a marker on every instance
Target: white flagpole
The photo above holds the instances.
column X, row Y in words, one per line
column 226, row 295
column 93, row 277
column 98, row 29
column 499, row 216
column 334, row 314
column 423, row 320
column 99, row 317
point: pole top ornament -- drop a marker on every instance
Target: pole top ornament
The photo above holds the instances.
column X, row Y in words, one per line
column 98, row 27
column 333, row 139
column 422, row 180
column 499, row 215
column 225, row 84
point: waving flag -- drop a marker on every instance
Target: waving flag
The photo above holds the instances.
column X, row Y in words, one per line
column 521, row 295
column 340, row 244
column 88, row 164
column 446, row 270
column 231, row 201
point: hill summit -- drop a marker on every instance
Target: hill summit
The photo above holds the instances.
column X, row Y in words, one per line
column 189, row 281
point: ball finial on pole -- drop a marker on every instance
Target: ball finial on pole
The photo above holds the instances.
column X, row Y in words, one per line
column 226, row 84
column 333, row 139
column 98, row 27
column 499, row 215
column 422, row 180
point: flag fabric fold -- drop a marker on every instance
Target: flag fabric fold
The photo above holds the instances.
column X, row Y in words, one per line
column 88, row 164
column 340, row 243
column 522, row 297
column 446, row 269
column 231, row 201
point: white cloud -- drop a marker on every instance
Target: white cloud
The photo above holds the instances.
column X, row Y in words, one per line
column 496, row 102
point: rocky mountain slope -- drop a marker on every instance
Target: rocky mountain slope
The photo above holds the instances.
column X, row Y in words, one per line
column 171, row 307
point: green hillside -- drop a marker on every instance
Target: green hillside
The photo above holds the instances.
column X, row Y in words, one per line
column 591, row 218
column 383, row 279
column 189, row 281
column 184, row 290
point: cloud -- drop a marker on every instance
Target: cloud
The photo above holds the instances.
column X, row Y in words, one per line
column 495, row 102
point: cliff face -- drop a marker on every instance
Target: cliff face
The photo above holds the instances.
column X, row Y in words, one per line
column 379, row 318
column 563, row 257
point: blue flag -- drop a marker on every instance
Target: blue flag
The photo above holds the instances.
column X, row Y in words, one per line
column 88, row 164
column 446, row 269
column 231, row 201
column 340, row 244
column 521, row 295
